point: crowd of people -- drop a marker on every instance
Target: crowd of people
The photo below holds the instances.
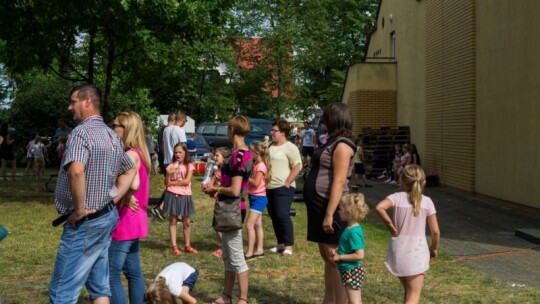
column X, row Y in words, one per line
column 103, row 188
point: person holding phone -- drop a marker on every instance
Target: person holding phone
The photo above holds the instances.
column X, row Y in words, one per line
column 331, row 168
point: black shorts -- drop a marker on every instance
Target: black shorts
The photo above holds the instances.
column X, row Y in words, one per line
column 307, row 151
column 359, row 168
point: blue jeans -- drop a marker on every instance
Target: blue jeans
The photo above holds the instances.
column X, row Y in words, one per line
column 82, row 258
column 124, row 257
column 279, row 205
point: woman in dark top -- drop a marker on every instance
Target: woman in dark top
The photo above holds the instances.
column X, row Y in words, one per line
column 6, row 151
column 415, row 156
column 331, row 168
column 234, row 185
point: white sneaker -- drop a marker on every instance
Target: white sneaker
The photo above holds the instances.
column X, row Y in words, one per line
column 388, row 181
column 394, row 183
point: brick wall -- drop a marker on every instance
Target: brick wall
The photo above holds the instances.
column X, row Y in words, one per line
column 373, row 109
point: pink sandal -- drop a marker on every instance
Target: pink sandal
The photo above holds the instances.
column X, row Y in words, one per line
column 176, row 251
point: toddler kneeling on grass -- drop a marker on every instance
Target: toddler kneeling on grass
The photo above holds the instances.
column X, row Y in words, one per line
column 174, row 281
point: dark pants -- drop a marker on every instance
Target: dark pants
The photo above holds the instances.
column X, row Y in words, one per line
column 279, row 205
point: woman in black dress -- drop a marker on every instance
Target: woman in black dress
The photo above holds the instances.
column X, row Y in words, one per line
column 6, row 151
column 331, row 169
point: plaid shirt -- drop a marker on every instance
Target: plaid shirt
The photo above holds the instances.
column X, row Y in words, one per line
column 102, row 153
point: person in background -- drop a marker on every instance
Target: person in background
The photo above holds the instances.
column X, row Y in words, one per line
column 192, row 145
column 308, row 139
column 151, row 146
column 6, row 151
column 409, row 255
column 133, row 217
column 415, row 157
column 61, row 131
column 38, row 149
column 30, row 156
column 326, row 183
column 91, row 180
column 221, row 154
column 359, row 168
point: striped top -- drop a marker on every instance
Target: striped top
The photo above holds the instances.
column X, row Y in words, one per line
column 102, row 153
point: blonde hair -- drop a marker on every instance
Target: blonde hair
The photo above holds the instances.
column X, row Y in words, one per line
column 134, row 135
column 239, row 125
column 158, row 293
column 412, row 182
column 259, row 147
column 405, row 148
column 355, row 205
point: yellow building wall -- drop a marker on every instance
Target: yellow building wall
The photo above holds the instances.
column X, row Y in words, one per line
column 370, row 92
column 508, row 100
column 451, row 92
column 406, row 20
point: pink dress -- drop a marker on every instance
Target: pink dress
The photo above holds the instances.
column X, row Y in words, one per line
column 134, row 225
column 408, row 253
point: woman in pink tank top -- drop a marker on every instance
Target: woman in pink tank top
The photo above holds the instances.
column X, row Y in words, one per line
column 133, row 222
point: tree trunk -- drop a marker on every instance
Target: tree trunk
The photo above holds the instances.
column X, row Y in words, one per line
column 108, row 82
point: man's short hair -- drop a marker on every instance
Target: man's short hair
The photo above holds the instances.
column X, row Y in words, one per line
column 172, row 116
column 88, row 91
column 180, row 115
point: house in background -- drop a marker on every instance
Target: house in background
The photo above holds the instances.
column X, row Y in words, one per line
column 464, row 76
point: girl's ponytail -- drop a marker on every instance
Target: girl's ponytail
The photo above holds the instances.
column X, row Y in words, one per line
column 266, row 160
column 413, row 179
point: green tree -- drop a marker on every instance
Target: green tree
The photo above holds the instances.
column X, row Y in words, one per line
column 83, row 41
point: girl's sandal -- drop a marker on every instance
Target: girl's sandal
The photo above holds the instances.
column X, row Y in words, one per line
column 176, row 251
column 243, row 300
column 190, row 249
column 224, row 299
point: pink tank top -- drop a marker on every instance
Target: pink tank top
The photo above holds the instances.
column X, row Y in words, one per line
column 134, row 225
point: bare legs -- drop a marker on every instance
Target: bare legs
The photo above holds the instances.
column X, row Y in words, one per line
column 255, row 232
column 334, row 292
column 413, row 288
column 13, row 168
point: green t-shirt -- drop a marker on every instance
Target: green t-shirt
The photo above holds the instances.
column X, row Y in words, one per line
column 352, row 239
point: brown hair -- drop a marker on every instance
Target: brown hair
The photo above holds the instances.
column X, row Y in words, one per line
column 187, row 158
column 158, row 293
column 338, row 119
column 412, row 181
column 283, row 125
column 88, row 91
column 240, row 125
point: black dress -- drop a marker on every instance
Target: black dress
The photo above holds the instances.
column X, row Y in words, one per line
column 317, row 193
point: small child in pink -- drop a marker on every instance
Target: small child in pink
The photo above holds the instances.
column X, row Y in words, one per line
column 257, row 198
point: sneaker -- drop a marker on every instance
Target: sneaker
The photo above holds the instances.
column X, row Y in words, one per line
column 388, row 181
column 394, row 183
column 157, row 213
column 382, row 176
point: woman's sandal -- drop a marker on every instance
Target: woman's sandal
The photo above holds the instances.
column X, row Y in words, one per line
column 176, row 251
column 243, row 300
column 224, row 299
column 190, row 249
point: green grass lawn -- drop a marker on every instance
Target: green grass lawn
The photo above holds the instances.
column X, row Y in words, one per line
column 27, row 257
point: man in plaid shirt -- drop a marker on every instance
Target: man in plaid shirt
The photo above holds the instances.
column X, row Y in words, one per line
column 94, row 174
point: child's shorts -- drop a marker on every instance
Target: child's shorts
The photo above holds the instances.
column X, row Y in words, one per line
column 191, row 280
column 257, row 203
column 353, row 277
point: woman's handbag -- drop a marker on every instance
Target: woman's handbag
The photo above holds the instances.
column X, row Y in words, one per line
column 227, row 215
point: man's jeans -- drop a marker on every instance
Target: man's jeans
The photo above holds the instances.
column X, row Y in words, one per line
column 83, row 258
column 124, row 257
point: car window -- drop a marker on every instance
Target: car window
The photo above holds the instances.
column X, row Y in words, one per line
column 200, row 129
column 221, row 130
column 209, row 130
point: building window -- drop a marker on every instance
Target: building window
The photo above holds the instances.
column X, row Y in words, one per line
column 393, row 45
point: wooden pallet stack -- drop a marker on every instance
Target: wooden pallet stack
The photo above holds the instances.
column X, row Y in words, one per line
column 379, row 146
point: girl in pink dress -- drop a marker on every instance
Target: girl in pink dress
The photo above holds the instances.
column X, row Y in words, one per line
column 178, row 201
column 408, row 255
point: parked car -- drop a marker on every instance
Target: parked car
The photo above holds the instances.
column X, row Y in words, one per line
column 215, row 133
column 203, row 149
